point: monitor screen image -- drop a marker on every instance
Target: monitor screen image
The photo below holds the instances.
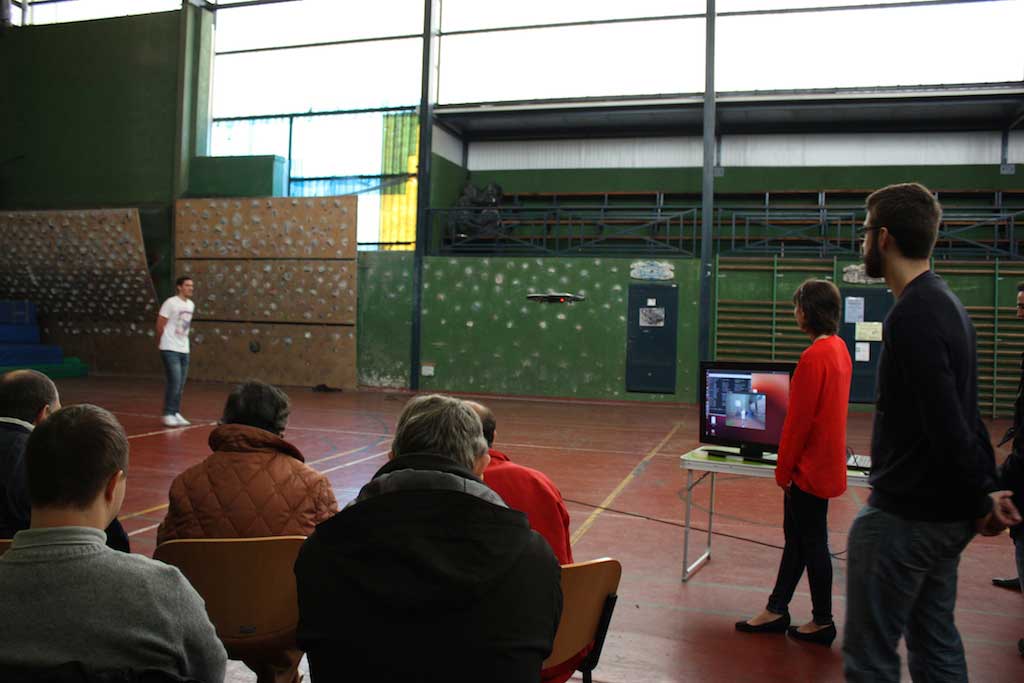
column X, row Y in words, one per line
column 744, row 404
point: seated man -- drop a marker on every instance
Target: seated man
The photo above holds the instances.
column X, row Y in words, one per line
column 531, row 491
column 527, row 490
column 253, row 484
column 428, row 576
column 28, row 397
column 68, row 597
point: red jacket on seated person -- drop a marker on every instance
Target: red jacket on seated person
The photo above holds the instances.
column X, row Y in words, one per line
column 532, row 492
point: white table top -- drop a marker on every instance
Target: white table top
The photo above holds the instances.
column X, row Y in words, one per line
column 700, row 460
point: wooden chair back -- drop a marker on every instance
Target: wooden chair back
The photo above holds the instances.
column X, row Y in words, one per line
column 5, row 543
column 248, row 585
column 588, row 599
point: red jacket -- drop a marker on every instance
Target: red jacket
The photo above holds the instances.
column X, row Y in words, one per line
column 530, row 491
column 813, row 450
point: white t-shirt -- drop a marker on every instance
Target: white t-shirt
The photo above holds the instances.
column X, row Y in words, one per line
column 179, row 319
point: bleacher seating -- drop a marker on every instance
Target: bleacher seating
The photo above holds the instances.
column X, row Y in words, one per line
column 21, row 347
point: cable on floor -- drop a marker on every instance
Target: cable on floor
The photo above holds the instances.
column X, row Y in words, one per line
column 836, row 555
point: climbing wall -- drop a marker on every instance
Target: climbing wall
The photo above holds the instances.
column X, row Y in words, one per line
column 86, row 272
column 275, row 288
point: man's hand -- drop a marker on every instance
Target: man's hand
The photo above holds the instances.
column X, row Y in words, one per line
column 1004, row 513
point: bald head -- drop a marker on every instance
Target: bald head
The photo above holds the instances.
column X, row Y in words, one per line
column 27, row 395
column 486, row 419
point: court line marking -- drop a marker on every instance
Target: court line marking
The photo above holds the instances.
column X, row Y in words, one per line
column 354, row 462
column 567, row 448
column 130, row 515
column 143, row 529
column 589, row 522
column 344, row 453
column 172, row 429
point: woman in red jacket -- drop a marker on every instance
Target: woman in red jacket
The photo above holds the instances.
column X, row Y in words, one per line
column 812, row 465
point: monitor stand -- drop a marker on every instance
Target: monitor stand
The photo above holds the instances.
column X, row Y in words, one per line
column 749, row 452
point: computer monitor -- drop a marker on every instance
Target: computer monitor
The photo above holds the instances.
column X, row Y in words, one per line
column 743, row 404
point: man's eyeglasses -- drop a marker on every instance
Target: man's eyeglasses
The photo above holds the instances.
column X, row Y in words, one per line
column 863, row 230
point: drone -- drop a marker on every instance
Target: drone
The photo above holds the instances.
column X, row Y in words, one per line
column 556, row 298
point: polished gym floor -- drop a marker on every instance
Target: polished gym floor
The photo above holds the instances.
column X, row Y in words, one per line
column 624, row 458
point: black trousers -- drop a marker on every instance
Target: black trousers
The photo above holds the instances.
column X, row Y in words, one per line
column 806, row 529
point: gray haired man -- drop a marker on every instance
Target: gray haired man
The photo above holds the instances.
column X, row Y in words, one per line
column 436, row 578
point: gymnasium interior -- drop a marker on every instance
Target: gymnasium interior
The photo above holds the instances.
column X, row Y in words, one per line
column 557, row 209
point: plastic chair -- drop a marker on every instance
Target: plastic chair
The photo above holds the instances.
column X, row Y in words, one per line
column 249, row 588
column 588, row 600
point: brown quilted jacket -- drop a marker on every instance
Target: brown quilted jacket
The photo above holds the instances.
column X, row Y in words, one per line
column 253, row 484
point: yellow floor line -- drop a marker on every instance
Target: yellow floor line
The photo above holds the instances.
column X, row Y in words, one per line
column 142, row 512
column 622, row 485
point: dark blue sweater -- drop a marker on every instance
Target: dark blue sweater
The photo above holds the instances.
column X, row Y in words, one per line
column 931, row 457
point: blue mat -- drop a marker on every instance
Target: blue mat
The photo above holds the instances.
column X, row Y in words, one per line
column 17, row 313
column 19, row 334
column 30, row 354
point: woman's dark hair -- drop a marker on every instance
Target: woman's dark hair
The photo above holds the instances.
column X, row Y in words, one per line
column 258, row 404
column 820, row 303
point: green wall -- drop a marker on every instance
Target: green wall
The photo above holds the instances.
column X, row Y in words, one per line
column 384, row 322
column 446, row 181
column 91, row 116
column 248, row 176
column 482, row 335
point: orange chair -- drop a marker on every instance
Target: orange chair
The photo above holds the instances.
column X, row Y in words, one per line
column 588, row 600
column 249, row 588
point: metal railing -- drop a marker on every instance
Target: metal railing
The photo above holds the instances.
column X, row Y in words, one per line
column 675, row 231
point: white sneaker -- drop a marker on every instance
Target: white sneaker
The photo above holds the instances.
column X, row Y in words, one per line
column 170, row 421
column 181, row 420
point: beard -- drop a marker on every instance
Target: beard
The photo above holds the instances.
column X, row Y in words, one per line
column 873, row 261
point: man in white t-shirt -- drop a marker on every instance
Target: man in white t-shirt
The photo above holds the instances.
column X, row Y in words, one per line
column 172, row 325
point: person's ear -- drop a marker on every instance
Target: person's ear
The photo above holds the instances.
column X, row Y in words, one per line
column 481, row 464
column 110, row 492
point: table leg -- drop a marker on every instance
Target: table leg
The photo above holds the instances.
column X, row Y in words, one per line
column 690, row 569
column 686, row 524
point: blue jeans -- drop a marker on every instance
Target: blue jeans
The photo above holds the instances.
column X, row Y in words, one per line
column 901, row 581
column 176, row 371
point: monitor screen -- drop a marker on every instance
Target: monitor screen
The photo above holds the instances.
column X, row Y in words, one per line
column 744, row 404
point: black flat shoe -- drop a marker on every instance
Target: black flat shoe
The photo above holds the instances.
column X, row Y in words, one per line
column 823, row 636
column 775, row 626
column 1009, row 584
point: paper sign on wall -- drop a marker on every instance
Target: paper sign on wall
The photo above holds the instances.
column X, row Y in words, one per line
column 854, row 309
column 868, row 332
column 862, row 352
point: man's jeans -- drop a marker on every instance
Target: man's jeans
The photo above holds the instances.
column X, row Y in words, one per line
column 901, row 581
column 176, row 371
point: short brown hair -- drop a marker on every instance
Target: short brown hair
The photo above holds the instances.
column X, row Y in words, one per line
column 72, row 455
column 910, row 213
column 820, row 303
column 23, row 393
